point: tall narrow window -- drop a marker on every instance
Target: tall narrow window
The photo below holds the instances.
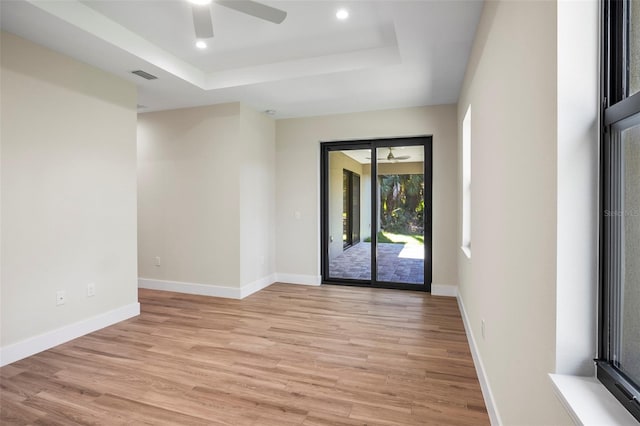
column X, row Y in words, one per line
column 466, row 183
column 618, row 363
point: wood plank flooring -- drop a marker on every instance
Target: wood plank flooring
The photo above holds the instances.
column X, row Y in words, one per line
column 288, row 355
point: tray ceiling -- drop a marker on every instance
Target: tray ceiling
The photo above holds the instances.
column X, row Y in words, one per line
column 387, row 54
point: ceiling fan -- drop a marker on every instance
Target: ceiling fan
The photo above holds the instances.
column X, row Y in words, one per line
column 202, row 13
column 391, row 157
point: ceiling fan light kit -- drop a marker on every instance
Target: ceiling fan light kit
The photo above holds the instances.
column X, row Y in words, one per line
column 392, row 157
column 203, row 25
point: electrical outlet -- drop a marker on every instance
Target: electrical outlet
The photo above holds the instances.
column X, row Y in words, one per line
column 482, row 329
column 91, row 289
column 156, row 261
column 60, row 297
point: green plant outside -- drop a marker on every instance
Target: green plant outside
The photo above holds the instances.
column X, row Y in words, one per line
column 402, row 203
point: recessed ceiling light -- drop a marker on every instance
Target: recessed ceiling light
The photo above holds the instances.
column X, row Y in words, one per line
column 200, row 44
column 200, row 2
column 342, row 14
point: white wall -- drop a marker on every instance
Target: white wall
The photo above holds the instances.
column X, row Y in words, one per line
column 206, row 190
column 578, row 87
column 298, row 180
column 533, row 202
column 68, row 192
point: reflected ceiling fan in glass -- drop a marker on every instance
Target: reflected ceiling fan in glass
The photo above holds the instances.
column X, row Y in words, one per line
column 391, row 157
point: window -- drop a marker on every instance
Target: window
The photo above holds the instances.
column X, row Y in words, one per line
column 618, row 364
column 466, row 183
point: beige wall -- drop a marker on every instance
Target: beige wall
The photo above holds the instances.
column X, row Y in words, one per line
column 257, row 196
column 206, row 191
column 188, row 195
column 298, row 180
column 406, row 168
column 68, row 190
column 510, row 280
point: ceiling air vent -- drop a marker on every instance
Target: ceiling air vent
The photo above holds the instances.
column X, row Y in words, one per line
column 144, row 74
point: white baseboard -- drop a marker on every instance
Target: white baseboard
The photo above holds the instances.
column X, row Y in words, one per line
column 299, row 279
column 33, row 345
column 257, row 285
column 227, row 292
column 208, row 289
column 190, row 288
column 489, row 401
column 444, row 290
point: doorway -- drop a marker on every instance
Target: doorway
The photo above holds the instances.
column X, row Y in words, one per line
column 376, row 212
column 350, row 208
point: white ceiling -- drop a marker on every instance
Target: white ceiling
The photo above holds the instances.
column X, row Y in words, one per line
column 388, row 54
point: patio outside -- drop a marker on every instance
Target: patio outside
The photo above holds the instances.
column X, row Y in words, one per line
column 400, row 243
column 399, row 261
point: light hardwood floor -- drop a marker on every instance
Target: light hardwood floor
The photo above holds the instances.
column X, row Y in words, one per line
column 288, row 355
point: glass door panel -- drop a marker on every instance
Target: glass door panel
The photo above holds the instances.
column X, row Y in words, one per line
column 400, row 197
column 349, row 207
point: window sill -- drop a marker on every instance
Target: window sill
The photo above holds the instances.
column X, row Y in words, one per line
column 467, row 251
column 589, row 402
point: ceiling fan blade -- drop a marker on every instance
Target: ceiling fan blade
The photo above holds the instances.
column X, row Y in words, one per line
column 202, row 21
column 402, row 157
column 256, row 9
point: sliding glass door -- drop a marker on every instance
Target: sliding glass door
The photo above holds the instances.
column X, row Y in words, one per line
column 400, row 214
column 376, row 213
column 347, row 181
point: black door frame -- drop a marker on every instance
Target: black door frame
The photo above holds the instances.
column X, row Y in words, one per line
column 374, row 145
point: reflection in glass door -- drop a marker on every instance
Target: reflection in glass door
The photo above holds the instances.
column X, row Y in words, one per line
column 376, row 213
